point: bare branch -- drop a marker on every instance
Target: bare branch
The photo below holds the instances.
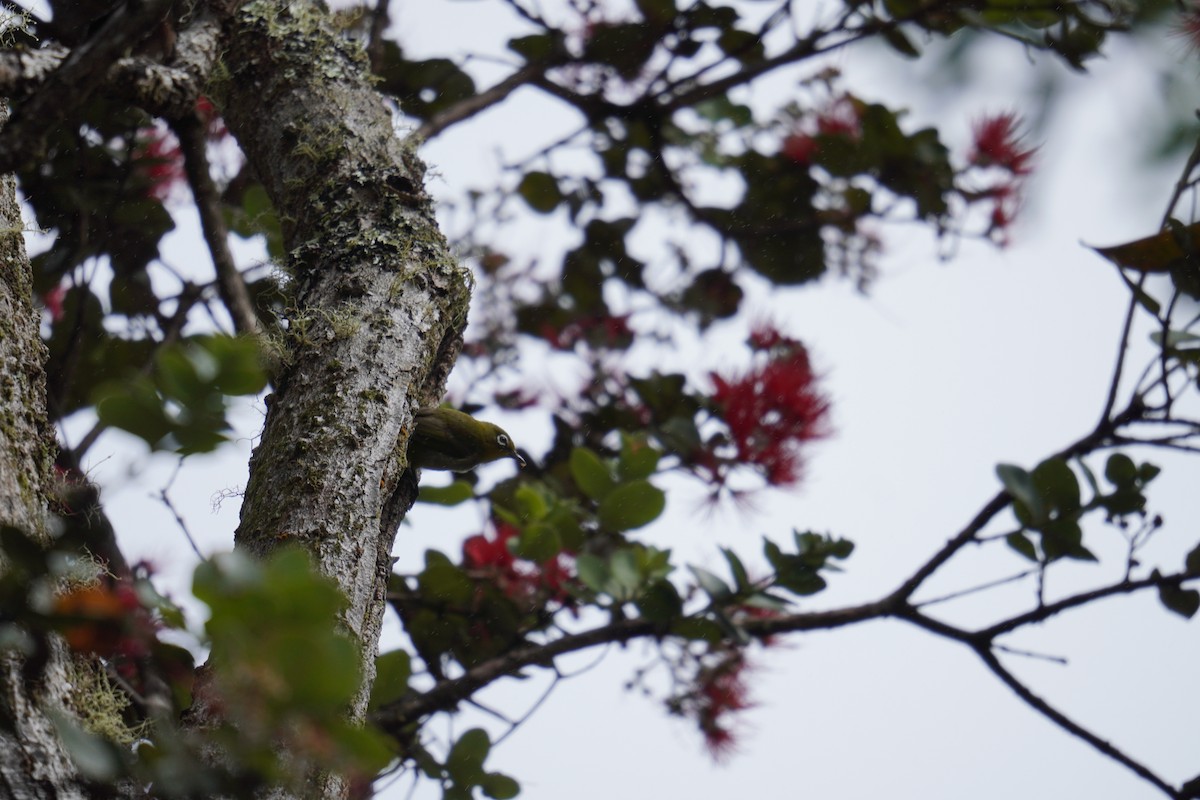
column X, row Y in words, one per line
column 448, row 694
column 471, row 106
column 1070, row 726
column 230, row 284
column 1045, row 612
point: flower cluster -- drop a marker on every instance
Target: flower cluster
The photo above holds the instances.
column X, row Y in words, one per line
column 159, row 161
column 771, row 411
column 998, row 143
column 106, row 619
column 717, row 692
column 841, row 117
column 523, row 581
column 597, row 331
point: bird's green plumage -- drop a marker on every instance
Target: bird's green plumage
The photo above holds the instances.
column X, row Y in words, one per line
column 447, row 439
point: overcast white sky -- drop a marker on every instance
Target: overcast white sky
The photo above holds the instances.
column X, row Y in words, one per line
column 942, row 371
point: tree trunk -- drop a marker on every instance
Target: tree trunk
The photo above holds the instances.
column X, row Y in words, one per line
column 33, row 763
column 378, row 304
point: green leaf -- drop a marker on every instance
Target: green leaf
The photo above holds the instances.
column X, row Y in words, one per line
column 532, row 503
column 712, row 585
column 660, row 602
column 900, row 42
column 539, row 543
column 1120, row 470
column 1192, row 562
column 465, row 761
column 722, row 108
column 591, row 475
column 239, row 364
column 1063, row 538
column 133, row 406
column 740, row 579
column 392, row 671
column 742, row 45
column 593, row 571
column 1057, row 485
column 638, row 458
column 631, row 505
column 656, row 10
column 1184, row 602
column 95, row 757
column 540, row 190
column 538, row 47
column 499, row 786
column 451, row 495
column 626, row 577
column 1022, row 544
column 1019, row 484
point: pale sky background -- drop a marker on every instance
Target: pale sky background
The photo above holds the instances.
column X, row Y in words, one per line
column 940, row 372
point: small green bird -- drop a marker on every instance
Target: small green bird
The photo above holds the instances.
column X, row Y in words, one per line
column 447, row 439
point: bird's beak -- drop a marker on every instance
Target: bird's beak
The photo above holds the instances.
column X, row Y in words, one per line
column 519, row 460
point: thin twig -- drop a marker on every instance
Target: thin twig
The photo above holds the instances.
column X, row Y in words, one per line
column 178, row 518
column 379, row 25
column 1122, row 349
column 974, row 589
column 1030, row 654
column 1045, row 612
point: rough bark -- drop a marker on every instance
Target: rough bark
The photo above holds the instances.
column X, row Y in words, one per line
column 33, row 763
column 377, row 311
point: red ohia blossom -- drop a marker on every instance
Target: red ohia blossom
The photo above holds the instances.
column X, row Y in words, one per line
column 720, row 691
column 998, row 143
column 520, row 579
column 1187, row 26
column 799, row 147
column 774, row 409
column 159, row 161
column 53, row 301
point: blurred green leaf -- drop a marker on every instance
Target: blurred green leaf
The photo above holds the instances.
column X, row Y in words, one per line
column 591, row 475
column 392, row 671
column 453, row 494
column 540, row 190
column 631, row 505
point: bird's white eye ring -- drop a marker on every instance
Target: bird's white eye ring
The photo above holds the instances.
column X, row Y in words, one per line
column 502, row 440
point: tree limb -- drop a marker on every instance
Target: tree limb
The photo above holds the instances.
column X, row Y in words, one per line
column 230, row 284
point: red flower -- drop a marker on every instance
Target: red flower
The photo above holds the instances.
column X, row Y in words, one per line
column 481, row 552
column 720, row 691
column 53, row 299
column 840, row 118
column 214, row 125
column 799, row 147
column 159, row 161
column 998, row 143
column 105, row 619
column 597, row 331
column 1187, row 26
column 773, row 410
column 520, row 579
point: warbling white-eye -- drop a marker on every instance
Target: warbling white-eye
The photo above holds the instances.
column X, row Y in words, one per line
column 447, row 439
